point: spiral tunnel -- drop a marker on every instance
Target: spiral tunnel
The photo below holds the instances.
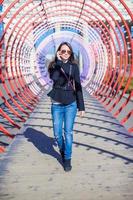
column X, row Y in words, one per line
column 101, row 34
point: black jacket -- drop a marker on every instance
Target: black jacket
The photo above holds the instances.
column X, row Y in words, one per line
column 62, row 91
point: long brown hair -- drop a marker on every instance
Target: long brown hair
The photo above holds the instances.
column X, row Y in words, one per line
column 71, row 58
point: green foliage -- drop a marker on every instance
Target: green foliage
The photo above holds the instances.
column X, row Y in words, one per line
column 130, row 85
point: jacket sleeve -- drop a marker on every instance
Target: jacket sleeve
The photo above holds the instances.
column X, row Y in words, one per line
column 54, row 71
column 78, row 90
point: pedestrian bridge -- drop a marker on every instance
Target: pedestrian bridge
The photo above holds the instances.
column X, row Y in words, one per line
column 101, row 34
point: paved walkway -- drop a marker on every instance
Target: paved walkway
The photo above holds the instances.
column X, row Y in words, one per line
column 102, row 160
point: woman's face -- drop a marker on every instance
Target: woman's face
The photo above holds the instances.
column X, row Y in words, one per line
column 65, row 52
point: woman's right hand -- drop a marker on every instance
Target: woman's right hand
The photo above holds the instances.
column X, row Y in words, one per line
column 58, row 55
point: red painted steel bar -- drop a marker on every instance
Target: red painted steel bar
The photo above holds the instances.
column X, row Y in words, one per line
column 126, row 51
column 8, row 118
column 25, row 84
column 6, row 132
column 120, row 53
column 2, row 149
column 10, row 108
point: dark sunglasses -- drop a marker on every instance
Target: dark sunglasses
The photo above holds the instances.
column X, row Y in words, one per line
column 66, row 51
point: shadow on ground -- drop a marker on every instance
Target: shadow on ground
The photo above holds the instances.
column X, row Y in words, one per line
column 42, row 142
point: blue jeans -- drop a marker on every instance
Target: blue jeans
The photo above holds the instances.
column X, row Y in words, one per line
column 64, row 114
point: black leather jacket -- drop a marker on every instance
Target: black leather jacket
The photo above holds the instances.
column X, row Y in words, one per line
column 62, row 91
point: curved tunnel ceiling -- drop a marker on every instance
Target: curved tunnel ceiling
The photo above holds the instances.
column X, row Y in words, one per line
column 98, row 30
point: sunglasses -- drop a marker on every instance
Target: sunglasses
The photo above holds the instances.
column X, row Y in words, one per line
column 66, row 51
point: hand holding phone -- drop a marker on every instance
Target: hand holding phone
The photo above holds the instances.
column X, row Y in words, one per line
column 59, row 55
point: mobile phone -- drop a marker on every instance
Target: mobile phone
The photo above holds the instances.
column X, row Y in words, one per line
column 59, row 55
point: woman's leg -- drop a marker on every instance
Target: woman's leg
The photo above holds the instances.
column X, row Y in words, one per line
column 69, row 117
column 57, row 118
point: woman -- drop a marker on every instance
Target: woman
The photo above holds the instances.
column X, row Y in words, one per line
column 66, row 96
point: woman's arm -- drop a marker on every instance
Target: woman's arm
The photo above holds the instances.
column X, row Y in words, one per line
column 54, row 70
column 78, row 90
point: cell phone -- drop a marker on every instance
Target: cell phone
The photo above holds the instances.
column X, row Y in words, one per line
column 59, row 55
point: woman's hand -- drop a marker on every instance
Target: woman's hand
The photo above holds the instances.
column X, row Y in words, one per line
column 81, row 113
column 58, row 55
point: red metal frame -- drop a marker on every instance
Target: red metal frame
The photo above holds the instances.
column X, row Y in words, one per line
column 26, row 96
